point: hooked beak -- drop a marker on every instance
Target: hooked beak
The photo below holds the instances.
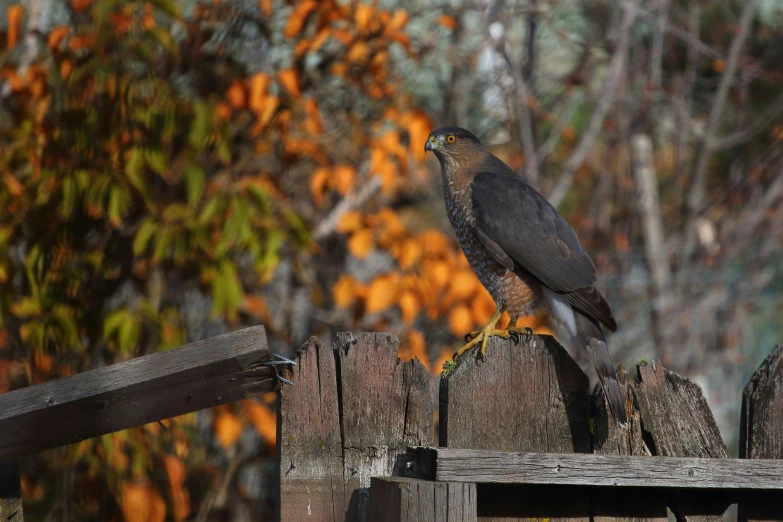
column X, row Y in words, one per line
column 430, row 145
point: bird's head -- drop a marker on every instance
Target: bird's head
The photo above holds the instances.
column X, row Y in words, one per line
column 451, row 144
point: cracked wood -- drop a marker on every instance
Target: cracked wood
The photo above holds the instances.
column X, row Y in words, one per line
column 351, row 415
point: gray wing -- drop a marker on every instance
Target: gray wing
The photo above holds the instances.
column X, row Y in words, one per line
column 521, row 229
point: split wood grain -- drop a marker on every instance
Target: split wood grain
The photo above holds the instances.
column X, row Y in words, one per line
column 354, row 410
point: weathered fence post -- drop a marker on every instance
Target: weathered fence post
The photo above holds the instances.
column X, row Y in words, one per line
column 761, row 421
column 532, row 397
column 351, row 415
column 10, row 492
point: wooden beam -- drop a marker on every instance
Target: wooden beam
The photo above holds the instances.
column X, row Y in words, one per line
column 10, row 492
column 616, row 471
column 396, row 499
column 223, row 369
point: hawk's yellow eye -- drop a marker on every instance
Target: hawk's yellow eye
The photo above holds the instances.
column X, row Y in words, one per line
column 451, row 138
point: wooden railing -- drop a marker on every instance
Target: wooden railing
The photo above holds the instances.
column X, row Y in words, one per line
column 519, row 436
column 363, row 436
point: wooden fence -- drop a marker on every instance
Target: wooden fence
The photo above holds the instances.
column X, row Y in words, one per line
column 519, row 437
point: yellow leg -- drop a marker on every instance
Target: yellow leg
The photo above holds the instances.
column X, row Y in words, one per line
column 483, row 335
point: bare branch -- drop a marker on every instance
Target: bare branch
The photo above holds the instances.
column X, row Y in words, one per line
column 352, row 201
column 557, row 130
column 697, row 193
column 616, row 69
column 657, row 49
column 737, row 138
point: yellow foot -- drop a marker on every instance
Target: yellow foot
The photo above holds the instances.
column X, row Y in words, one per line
column 511, row 331
column 482, row 336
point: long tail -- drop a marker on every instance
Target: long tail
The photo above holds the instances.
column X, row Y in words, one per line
column 590, row 337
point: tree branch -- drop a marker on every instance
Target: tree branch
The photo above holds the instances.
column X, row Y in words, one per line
column 697, row 192
column 616, row 69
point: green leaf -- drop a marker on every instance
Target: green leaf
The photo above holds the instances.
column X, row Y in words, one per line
column 175, row 212
column 134, row 169
column 156, row 160
column 119, row 199
column 69, row 197
column 201, row 126
column 162, row 243
column 143, row 235
column 167, row 6
column 194, row 183
column 26, row 307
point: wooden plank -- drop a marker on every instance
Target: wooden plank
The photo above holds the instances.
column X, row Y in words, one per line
column 609, row 438
column 761, row 421
column 396, row 499
column 678, row 421
column 526, row 396
column 615, row 471
column 10, row 492
column 311, row 454
column 529, row 396
column 146, row 389
column 351, row 416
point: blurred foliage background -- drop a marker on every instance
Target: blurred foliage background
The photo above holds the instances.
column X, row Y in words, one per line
column 171, row 170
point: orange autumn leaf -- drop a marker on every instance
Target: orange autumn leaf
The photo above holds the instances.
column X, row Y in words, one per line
column 14, row 187
column 414, row 347
column 14, row 16
column 362, row 16
column 409, row 306
column 398, row 20
column 482, row 307
column 236, row 95
column 361, row 243
column 460, row 320
column 313, row 123
column 318, row 182
column 343, row 179
column 255, row 306
column 228, row 428
column 80, row 5
column 299, row 17
column 349, row 222
column 266, row 7
column 409, row 253
column 344, row 291
column 290, row 81
column 358, row 53
column 81, row 41
column 180, row 497
column 263, row 420
column 462, row 285
column 718, row 65
column 258, row 85
column 447, row 21
column 381, row 294
column 141, row 502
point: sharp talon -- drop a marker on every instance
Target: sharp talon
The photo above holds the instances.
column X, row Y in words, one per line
column 514, row 337
column 467, row 337
column 283, row 379
column 283, row 359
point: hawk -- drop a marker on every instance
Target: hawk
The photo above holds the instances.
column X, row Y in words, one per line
column 523, row 252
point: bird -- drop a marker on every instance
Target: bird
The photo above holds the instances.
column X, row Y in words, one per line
column 524, row 253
